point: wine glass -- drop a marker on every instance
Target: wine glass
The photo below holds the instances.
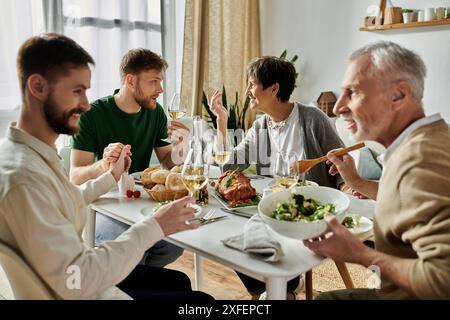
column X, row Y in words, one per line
column 285, row 174
column 176, row 110
column 222, row 151
column 195, row 171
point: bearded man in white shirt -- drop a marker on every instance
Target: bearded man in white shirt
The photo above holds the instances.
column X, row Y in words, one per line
column 42, row 214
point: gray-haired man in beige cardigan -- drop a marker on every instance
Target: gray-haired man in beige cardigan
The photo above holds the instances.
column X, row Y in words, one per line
column 382, row 100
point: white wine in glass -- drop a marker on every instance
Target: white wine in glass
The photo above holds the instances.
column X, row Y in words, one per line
column 194, row 182
column 176, row 110
column 222, row 157
column 284, row 176
column 222, row 151
column 175, row 115
column 195, row 172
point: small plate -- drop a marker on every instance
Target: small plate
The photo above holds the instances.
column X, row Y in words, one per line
column 137, row 177
column 147, row 211
column 224, row 203
column 365, row 225
column 308, row 183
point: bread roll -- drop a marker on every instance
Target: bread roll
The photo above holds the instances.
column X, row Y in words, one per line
column 159, row 176
column 146, row 177
column 174, row 182
column 149, row 185
column 159, row 187
column 177, row 169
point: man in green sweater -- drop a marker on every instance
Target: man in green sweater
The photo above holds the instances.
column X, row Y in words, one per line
column 382, row 101
column 130, row 117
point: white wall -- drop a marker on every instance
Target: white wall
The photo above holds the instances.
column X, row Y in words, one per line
column 325, row 32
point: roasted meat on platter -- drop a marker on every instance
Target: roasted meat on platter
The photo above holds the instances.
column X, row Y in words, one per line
column 235, row 187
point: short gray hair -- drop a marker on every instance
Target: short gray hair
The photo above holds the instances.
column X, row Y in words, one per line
column 396, row 63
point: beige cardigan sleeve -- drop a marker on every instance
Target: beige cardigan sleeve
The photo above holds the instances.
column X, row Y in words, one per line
column 424, row 221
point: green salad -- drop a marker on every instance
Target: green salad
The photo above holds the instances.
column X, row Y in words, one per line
column 302, row 209
column 301, row 183
column 352, row 221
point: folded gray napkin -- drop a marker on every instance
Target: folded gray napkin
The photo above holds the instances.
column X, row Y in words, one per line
column 256, row 241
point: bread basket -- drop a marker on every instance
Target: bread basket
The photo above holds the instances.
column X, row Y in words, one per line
column 162, row 196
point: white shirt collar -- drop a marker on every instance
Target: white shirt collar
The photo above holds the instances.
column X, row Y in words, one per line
column 280, row 124
column 383, row 158
column 19, row 136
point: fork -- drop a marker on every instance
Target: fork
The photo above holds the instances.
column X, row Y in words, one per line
column 211, row 213
column 207, row 218
column 306, row 165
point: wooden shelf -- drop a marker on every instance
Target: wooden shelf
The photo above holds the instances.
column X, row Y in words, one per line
column 406, row 25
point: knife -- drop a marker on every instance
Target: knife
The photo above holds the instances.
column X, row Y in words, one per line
column 238, row 213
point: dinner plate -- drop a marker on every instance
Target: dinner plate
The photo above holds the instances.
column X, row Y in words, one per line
column 147, row 211
column 365, row 225
column 226, row 205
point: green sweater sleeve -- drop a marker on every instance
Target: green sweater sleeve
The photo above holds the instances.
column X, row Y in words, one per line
column 162, row 129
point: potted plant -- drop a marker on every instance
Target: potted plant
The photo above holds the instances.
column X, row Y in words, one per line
column 407, row 15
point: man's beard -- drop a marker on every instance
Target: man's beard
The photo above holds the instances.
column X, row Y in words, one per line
column 143, row 101
column 59, row 122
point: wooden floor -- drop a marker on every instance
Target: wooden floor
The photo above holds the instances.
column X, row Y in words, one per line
column 223, row 284
column 219, row 281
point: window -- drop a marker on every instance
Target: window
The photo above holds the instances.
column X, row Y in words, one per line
column 19, row 19
column 107, row 30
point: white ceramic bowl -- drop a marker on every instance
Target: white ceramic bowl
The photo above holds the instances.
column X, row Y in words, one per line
column 302, row 230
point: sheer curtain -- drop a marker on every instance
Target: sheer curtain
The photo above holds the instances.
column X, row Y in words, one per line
column 221, row 37
column 19, row 20
column 107, row 30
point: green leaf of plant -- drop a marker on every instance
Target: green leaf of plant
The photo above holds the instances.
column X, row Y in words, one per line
column 224, row 98
column 236, row 109
column 244, row 111
column 208, row 110
column 232, row 118
column 283, row 55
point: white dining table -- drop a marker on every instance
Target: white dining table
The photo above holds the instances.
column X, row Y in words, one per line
column 206, row 241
